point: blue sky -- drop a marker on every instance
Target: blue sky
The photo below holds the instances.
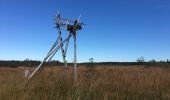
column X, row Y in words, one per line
column 116, row 30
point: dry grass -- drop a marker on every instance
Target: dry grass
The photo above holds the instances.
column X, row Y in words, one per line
column 102, row 83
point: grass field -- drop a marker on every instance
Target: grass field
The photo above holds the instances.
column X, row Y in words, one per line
column 101, row 83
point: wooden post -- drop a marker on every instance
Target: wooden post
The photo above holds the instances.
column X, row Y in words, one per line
column 75, row 59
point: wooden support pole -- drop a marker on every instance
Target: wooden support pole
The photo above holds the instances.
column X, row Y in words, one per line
column 75, row 59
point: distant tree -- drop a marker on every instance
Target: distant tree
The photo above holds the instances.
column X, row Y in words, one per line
column 168, row 61
column 152, row 61
column 91, row 72
column 90, row 64
column 141, row 59
column 26, row 59
column 91, row 60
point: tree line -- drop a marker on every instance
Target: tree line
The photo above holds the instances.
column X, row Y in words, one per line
column 34, row 63
column 26, row 63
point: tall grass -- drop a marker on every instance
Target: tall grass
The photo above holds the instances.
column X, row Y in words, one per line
column 101, row 83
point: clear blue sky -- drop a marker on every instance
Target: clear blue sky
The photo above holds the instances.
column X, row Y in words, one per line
column 116, row 30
